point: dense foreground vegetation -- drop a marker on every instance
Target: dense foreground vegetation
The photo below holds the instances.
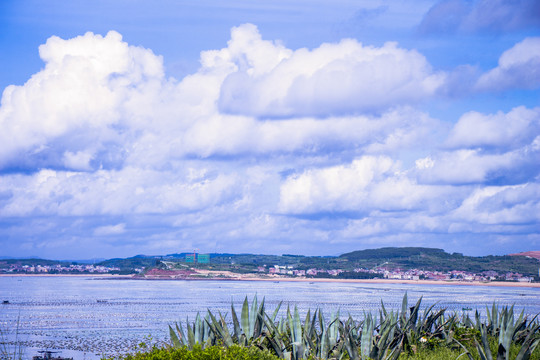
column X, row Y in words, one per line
column 411, row 333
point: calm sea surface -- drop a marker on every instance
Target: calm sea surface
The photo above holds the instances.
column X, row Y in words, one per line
column 86, row 317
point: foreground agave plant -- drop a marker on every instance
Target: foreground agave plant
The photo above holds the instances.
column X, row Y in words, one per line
column 379, row 338
column 502, row 325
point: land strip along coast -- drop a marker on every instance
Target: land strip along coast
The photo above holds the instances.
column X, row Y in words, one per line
column 230, row 276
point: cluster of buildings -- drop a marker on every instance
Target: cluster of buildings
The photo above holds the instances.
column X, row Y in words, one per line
column 456, row 275
column 412, row 274
column 57, row 268
column 283, row 270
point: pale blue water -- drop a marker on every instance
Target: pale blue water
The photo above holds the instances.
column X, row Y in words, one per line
column 64, row 312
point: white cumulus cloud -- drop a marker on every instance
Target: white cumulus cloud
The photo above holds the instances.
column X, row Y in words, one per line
column 77, row 100
column 338, row 188
column 369, row 183
column 340, row 78
column 519, row 68
column 485, row 148
column 126, row 191
column 517, row 204
column 513, row 129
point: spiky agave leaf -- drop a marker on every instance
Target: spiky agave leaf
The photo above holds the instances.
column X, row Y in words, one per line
column 209, row 336
column 382, row 347
column 190, row 336
column 259, row 321
column 383, row 309
column 310, row 337
column 413, row 317
column 276, row 311
column 348, row 341
column 300, row 345
column 322, row 323
column 178, row 338
column 323, row 349
column 307, row 322
column 274, row 336
column 245, row 317
column 323, row 343
column 237, row 329
column 529, row 344
column 252, row 318
column 403, row 315
column 174, row 338
column 197, row 329
column 366, row 340
column 227, row 338
column 333, row 330
column 508, row 330
column 220, row 329
column 484, row 351
column 429, row 327
column 296, row 333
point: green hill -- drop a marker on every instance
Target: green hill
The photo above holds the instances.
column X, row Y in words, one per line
column 439, row 260
column 394, row 253
column 139, row 261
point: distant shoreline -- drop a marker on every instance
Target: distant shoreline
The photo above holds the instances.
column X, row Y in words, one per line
column 283, row 279
column 69, row 275
column 415, row 282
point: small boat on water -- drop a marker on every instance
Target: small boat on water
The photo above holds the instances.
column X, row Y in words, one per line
column 102, row 301
column 466, row 309
column 48, row 355
column 5, row 302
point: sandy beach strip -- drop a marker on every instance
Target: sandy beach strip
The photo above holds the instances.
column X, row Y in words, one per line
column 397, row 281
column 294, row 279
column 69, row 275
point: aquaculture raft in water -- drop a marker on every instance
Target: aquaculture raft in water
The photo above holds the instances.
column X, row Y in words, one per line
column 47, row 355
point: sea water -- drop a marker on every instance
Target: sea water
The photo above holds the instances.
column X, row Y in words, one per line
column 86, row 317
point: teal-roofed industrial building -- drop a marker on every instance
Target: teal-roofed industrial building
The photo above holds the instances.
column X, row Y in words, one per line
column 198, row 258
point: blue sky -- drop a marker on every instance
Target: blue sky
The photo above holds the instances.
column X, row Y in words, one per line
column 303, row 127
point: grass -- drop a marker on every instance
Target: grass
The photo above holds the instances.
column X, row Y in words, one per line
column 453, row 353
column 441, row 353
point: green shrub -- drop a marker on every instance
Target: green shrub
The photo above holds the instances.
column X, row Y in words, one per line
column 217, row 352
column 453, row 353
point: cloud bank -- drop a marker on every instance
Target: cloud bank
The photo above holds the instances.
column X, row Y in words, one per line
column 263, row 149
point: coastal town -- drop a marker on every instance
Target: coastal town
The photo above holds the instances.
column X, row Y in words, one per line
column 278, row 272
column 399, row 274
column 55, row 269
column 168, row 271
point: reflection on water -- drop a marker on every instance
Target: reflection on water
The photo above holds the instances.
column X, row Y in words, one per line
column 95, row 316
